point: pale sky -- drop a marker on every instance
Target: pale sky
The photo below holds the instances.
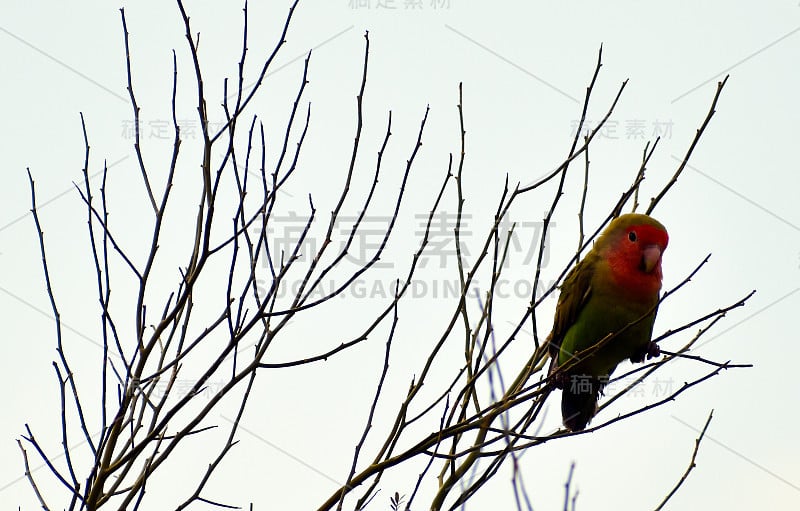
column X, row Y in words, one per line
column 524, row 67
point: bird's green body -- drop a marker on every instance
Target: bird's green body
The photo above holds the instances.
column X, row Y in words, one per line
column 606, row 312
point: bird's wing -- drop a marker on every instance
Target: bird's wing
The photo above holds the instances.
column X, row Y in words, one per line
column 575, row 292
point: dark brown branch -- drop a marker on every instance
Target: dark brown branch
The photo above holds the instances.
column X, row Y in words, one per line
column 691, row 464
column 368, row 426
column 135, row 106
column 29, row 476
column 711, row 112
column 726, row 365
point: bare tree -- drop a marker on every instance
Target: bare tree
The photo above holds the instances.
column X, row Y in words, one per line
column 487, row 415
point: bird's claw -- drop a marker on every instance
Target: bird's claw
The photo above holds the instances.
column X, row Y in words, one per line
column 559, row 379
column 653, row 351
column 650, row 351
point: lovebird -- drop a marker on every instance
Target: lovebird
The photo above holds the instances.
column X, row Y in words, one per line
column 608, row 302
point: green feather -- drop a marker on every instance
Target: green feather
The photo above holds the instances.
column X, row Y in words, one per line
column 593, row 306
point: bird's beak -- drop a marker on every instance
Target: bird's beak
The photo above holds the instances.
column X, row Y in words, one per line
column 651, row 257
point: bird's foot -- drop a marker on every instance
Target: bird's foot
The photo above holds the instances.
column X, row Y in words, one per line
column 559, row 379
column 653, row 351
column 650, row 351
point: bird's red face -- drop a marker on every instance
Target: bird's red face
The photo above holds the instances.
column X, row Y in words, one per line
column 635, row 258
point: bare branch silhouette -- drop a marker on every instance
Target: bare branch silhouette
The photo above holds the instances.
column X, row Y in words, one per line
column 205, row 329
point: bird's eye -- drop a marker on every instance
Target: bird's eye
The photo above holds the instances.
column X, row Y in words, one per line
column 632, row 236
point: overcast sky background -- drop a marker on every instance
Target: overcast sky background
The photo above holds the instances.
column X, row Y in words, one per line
column 524, row 68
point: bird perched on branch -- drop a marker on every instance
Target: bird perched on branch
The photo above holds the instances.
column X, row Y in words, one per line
column 606, row 312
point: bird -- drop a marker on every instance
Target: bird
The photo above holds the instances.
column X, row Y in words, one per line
column 605, row 313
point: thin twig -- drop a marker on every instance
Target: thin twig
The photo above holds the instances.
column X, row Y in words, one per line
column 654, row 201
column 691, row 464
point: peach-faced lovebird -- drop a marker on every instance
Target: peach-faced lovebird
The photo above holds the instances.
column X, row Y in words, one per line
column 608, row 302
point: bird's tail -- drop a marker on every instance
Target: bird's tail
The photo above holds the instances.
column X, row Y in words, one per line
column 579, row 401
